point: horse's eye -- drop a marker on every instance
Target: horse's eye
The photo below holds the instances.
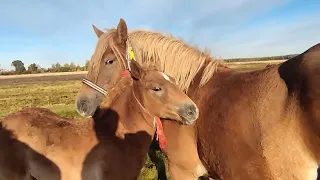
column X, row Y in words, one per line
column 156, row 89
column 109, row 61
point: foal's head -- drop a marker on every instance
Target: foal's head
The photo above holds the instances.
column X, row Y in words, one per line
column 159, row 94
column 156, row 94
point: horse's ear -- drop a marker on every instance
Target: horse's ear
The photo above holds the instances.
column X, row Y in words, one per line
column 122, row 31
column 136, row 70
column 97, row 31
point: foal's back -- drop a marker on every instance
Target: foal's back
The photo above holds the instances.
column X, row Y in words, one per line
column 18, row 161
column 65, row 142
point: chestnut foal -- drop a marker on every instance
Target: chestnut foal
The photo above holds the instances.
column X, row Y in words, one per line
column 125, row 127
column 118, row 136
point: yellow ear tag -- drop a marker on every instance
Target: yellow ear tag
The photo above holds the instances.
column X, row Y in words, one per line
column 131, row 54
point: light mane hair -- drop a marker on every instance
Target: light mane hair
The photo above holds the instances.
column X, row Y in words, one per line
column 172, row 56
column 105, row 40
column 169, row 54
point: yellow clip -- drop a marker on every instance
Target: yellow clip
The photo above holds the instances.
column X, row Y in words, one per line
column 131, row 54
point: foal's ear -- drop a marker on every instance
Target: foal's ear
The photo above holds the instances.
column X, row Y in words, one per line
column 97, row 31
column 136, row 71
column 122, row 30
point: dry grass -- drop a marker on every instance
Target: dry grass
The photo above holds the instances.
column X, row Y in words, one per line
column 254, row 65
column 42, row 74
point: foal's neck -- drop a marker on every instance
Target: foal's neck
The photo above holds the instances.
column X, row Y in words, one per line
column 125, row 120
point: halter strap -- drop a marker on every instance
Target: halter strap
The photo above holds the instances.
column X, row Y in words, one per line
column 144, row 109
column 95, row 87
column 129, row 56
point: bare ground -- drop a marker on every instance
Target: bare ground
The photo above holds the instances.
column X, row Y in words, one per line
column 45, row 77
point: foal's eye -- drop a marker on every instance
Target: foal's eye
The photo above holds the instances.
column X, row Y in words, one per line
column 109, row 61
column 156, row 89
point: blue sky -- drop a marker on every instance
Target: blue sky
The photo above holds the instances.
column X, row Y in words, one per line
column 50, row 31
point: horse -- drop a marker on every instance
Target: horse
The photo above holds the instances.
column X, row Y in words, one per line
column 259, row 124
column 17, row 160
column 119, row 136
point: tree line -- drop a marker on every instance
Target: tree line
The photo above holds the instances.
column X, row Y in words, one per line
column 261, row 58
column 20, row 68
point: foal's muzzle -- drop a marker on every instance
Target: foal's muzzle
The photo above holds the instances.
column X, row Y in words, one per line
column 189, row 113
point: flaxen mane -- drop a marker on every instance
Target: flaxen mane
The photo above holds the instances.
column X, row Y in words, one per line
column 105, row 40
column 172, row 56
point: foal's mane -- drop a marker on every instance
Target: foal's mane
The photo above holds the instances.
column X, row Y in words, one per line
column 172, row 56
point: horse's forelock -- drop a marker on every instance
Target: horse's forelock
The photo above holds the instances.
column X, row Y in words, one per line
column 106, row 40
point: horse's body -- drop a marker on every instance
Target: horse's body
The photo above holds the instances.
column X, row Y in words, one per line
column 253, row 125
column 259, row 124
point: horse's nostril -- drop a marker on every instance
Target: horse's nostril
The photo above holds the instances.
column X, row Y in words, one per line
column 84, row 107
column 190, row 112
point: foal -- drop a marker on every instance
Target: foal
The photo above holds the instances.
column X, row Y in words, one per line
column 118, row 136
column 126, row 129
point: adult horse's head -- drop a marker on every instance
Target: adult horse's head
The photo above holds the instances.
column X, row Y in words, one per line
column 106, row 65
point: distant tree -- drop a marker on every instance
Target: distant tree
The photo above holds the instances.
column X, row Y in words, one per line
column 66, row 67
column 56, row 67
column 72, row 67
column 39, row 67
column 86, row 66
column 33, row 67
column 19, row 66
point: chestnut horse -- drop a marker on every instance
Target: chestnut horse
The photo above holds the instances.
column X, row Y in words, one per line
column 114, row 132
column 259, row 124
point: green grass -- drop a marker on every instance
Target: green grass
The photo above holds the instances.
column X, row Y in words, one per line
column 56, row 96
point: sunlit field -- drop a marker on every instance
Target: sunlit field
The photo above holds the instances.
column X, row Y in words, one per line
column 59, row 94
